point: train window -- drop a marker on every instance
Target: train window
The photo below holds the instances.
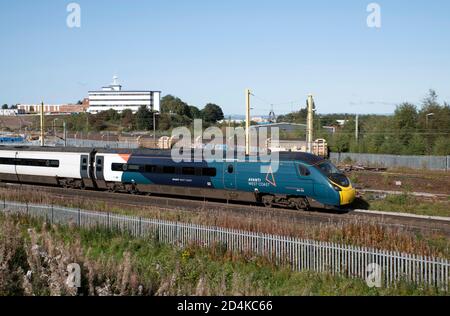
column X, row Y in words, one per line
column 54, row 164
column 7, row 161
column 169, row 170
column 304, row 171
column 30, row 162
column 209, row 172
column 118, row 167
column 84, row 163
column 230, row 169
column 151, row 169
column 190, row 171
column 133, row 167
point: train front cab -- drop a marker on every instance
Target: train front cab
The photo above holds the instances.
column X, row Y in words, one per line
column 340, row 183
column 347, row 194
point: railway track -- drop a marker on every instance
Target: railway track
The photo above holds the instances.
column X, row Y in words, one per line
column 408, row 222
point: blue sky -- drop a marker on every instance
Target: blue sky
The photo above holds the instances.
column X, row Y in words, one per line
column 210, row 51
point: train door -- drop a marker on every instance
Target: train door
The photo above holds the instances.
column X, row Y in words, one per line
column 99, row 167
column 87, row 172
column 305, row 183
column 229, row 175
column 84, row 167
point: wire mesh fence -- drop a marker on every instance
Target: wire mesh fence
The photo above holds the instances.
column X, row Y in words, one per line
column 389, row 267
column 393, row 161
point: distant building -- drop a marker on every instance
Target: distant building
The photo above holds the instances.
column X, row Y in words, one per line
column 231, row 121
column 11, row 112
column 260, row 120
column 342, row 122
column 113, row 97
column 52, row 108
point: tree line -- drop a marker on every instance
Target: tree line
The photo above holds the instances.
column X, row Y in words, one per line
column 421, row 129
column 174, row 113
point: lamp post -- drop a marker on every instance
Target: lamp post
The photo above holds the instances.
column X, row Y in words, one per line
column 54, row 126
column 65, row 133
column 428, row 136
column 154, row 128
column 428, row 117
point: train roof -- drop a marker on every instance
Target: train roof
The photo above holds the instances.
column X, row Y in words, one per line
column 283, row 156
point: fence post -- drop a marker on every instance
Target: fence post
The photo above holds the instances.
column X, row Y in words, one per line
column 4, row 203
column 140, row 226
column 79, row 218
column 52, row 215
column 28, row 212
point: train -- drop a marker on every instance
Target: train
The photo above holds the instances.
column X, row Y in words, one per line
column 301, row 181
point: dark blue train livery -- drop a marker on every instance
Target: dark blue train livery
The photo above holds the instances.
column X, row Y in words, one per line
column 301, row 179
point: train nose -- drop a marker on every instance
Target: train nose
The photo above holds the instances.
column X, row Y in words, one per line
column 348, row 195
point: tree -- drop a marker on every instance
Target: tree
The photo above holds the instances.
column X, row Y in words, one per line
column 195, row 113
column 416, row 146
column 5, row 106
column 430, row 99
column 405, row 120
column 164, row 122
column 144, row 119
column 174, row 105
column 295, row 117
column 111, row 115
column 442, row 147
column 212, row 113
column 127, row 119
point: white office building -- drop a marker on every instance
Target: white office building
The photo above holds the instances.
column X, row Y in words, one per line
column 113, row 97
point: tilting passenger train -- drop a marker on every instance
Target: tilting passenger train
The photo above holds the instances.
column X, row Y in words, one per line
column 301, row 181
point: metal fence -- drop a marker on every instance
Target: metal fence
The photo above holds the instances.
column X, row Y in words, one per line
column 389, row 161
column 298, row 254
column 72, row 142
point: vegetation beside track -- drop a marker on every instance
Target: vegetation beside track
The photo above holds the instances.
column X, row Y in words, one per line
column 359, row 232
column 35, row 257
column 433, row 182
column 407, row 203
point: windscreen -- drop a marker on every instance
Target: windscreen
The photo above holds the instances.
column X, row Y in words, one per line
column 333, row 173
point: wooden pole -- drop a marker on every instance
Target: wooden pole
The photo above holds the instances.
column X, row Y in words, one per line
column 247, row 122
column 42, row 125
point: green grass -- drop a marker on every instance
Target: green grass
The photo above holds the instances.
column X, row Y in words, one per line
column 406, row 203
column 359, row 233
column 222, row 273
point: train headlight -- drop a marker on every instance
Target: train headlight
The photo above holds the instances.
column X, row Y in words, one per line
column 337, row 188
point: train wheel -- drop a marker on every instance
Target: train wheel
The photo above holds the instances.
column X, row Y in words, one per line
column 300, row 204
column 268, row 200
